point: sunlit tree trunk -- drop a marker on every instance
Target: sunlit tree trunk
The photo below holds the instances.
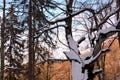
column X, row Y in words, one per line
column 2, row 41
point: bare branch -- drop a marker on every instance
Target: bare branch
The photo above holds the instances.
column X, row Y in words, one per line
column 69, row 16
column 108, row 16
column 80, row 40
column 48, row 29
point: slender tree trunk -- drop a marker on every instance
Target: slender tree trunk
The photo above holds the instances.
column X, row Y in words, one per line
column 11, row 43
column 103, row 66
column 118, row 5
column 31, row 48
column 2, row 42
column 98, row 66
column 118, row 16
column 47, row 71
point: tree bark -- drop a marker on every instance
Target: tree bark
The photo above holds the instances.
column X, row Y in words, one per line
column 31, row 48
column 118, row 16
column 2, row 41
column 68, row 29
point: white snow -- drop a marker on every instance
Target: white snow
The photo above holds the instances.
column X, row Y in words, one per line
column 73, row 53
column 73, row 44
column 96, row 71
column 107, row 30
column 72, row 56
column 94, row 58
column 77, row 62
column 77, row 71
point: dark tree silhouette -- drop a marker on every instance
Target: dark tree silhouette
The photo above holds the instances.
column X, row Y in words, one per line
column 2, row 41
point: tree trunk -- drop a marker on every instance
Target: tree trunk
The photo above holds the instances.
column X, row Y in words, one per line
column 82, row 69
column 103, row 66
column 2, row 41
column 11, row 43
column 118, row 15
column 79, row 72
column 31, row 48
column 77, row 67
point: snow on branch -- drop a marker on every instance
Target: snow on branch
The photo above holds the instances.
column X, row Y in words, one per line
column 73, row 44
column 97, row 71
column 73, row 54
column 93, row 58
column 105, row 33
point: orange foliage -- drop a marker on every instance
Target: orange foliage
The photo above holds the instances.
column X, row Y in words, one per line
column 55, row 71
column 112, row 62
